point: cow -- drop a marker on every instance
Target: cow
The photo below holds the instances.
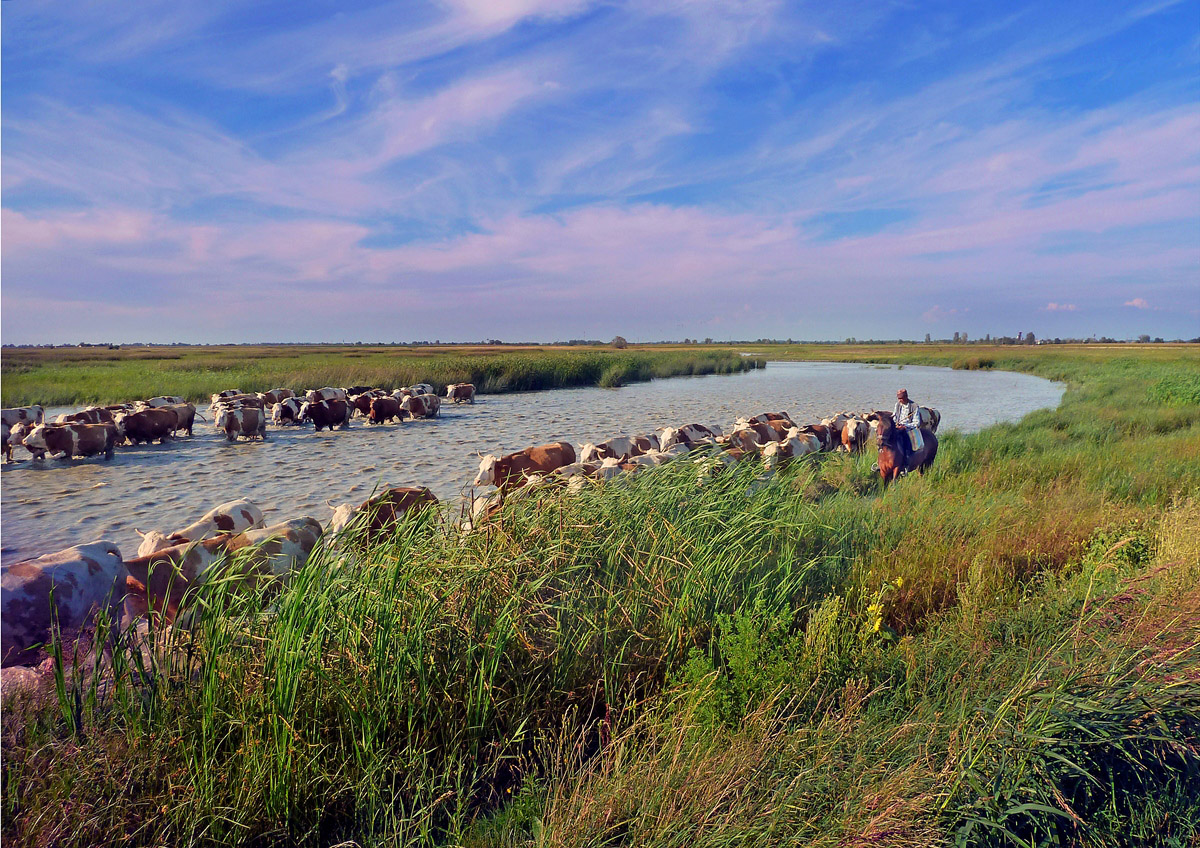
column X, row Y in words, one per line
column 91, row 415
column 235, row 401
column 163, row 400
column 622, row 447
column 9, row 440
column 69, row 587
column 157, row 583
column 855, row 434
column 692, row 435
column 185, row 416
column 71, row 440
column 930, row 418
column 358, row 390
column 766, row 417
column 754, row 435
column 231, row 517
column 514, row 467
column 383, row 511
column 824, row 433
column 326, row 413
column 461, row 393
column 244, row 421
column 327, row 393
column 32, row 415
column 147, row 425
column 279, row 549
column 796, row 445
column 275, row 396
column 421, row 406
column 384, row 409
column 422, row 389
column 228, row 393
column 287, row 411
column 361, row 403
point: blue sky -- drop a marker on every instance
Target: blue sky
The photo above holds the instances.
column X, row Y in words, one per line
column 534, row 170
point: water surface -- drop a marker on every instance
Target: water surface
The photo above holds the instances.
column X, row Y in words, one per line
column 50, row 505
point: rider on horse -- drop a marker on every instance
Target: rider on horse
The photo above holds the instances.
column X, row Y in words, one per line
column 906, row 416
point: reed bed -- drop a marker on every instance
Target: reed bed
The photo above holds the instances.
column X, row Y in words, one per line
column 61, row 377
column 1001, row 652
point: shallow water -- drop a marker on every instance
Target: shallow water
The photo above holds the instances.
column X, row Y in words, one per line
column 50, row 505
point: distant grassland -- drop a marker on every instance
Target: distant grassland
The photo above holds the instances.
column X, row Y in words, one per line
column 78, row 376
column 1005, row 651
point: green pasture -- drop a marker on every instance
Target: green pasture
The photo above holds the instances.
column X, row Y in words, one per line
column 79, row 376
column 1002, row 652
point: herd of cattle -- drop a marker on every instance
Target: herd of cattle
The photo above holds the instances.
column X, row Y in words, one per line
column 100, row 429
column 155, row 583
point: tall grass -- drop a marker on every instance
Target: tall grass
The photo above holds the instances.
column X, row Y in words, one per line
column 62, row 377
column 1001, row 652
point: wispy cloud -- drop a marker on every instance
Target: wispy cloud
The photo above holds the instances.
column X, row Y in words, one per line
column 614, row 166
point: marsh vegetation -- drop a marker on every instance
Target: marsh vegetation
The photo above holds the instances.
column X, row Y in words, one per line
column 1001, row 652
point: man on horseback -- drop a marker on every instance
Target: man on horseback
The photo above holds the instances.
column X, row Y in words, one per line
column 906, row 416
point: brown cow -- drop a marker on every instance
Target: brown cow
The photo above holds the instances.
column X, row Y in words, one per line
column 460, row 393
column 855, row 434
column 147, row 425
column 515, row 467
column 383, row 409
column 157, row 583
column 71, row 440
column 70, row 586
column 383, row 511
column 275, row 396
column 185, row 416
column 621, row 447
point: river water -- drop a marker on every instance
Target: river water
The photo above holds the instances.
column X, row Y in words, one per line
column 50, row 505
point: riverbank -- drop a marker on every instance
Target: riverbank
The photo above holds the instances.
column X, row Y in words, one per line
column 81, row 376
column 1007, row 644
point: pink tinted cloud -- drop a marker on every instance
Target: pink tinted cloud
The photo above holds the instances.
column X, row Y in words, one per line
column 1061, row 307
column 937, row 313
column 1137, row 303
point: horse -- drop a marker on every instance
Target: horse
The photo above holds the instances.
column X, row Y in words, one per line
column 889, row 456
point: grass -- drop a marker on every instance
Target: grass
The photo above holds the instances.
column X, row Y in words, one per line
column 76, row 376
column 1003, row 652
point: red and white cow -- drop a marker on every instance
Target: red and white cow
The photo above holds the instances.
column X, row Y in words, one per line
column 31, row 415
column 244, row 421
column 796, row 445
column 503, row 471
column 327, row 393
column 231, row 517
column 692, row 435
column 287, row 411
column 461, row 393
column 421, row 406
column 383, row 512
column 69, row 587
column 621, row 447
column 71, row 440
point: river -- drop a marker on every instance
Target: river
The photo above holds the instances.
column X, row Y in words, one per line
column 50, row 505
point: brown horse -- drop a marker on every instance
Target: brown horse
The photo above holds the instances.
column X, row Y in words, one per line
column 895, row 459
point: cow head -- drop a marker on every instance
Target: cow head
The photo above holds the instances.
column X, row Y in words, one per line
column 589, row 453
column 487, row 471
column 153, row 542
column 342, row 515
column 35, row 440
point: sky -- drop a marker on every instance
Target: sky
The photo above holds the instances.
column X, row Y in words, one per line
column 213, row 172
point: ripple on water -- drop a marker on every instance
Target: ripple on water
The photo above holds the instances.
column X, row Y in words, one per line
column 302, row 470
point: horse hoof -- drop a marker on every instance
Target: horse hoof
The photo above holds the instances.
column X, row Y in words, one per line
column 875, row 467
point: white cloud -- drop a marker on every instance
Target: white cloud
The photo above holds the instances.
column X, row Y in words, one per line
column 1061, row 307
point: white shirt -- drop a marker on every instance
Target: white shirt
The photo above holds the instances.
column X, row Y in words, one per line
column 907, row 415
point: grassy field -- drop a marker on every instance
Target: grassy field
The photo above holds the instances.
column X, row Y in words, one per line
column 78, row 376
column 1003, row 652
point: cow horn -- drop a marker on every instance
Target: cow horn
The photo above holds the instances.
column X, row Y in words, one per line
column 139, row 532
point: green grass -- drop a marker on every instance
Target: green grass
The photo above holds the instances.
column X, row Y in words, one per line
column 75, row 376
column 1000, row 652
